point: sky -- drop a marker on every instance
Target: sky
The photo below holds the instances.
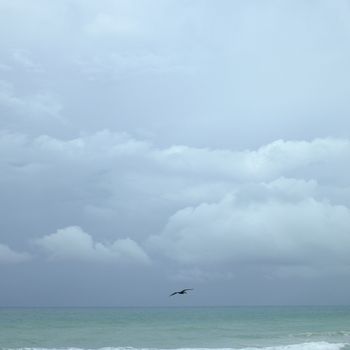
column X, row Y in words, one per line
column 148, row 146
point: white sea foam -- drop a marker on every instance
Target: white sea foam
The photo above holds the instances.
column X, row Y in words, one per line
column 301, row 346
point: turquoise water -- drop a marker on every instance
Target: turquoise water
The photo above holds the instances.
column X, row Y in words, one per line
column 292, row 328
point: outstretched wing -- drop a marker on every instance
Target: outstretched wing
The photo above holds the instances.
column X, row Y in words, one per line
column 185, row 290
column 173, row 294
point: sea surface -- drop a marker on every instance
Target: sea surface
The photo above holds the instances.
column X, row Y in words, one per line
column 271, row 328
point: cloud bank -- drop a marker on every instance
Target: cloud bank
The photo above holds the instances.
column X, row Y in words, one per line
column 247, row 207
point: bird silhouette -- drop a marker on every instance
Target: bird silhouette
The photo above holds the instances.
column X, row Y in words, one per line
column 184, row 291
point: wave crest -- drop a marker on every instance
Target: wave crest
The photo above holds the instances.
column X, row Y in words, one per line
column 301, row 346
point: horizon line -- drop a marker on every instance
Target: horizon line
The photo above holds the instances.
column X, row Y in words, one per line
column 162, row 306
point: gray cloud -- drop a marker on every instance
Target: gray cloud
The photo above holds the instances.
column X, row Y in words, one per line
column 227, row 191
column 107, row 148
column 177, row 132
column 9, row 256
column 72, row 243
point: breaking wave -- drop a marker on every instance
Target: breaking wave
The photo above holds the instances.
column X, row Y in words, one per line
column 301, row 346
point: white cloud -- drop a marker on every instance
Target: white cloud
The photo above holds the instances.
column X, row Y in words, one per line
column 9, row 256
column 273, row 231
column 72, row 243
column 267, row 163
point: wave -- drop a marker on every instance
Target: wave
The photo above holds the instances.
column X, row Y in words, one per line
column 320, row 334
column 301, row 346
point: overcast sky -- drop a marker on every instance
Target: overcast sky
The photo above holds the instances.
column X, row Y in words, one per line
column 148, row 146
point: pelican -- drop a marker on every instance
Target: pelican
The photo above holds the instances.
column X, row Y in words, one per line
column 184, row 291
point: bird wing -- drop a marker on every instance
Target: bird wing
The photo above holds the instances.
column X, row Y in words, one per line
column 184, row 290
column 173, row 294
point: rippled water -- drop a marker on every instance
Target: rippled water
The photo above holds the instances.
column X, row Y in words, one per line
column 293, row 328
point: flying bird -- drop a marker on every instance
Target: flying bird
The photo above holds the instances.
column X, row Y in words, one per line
column 184, row 291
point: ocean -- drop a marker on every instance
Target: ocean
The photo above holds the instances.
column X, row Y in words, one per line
column 269, row 328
